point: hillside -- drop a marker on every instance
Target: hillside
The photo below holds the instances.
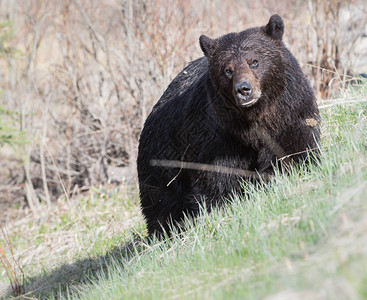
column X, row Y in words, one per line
column 302, row 236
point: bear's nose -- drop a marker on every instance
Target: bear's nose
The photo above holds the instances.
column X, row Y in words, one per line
column 243, row 88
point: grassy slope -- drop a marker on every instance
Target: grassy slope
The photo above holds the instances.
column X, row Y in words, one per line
column 301, row 237
column 49, row 242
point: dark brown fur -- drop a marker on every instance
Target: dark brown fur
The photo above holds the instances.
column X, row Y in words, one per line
column 202, row 118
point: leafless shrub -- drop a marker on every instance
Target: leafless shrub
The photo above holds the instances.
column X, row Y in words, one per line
column 336, row 27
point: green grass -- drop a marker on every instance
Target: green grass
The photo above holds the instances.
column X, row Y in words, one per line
column 293, row 238
column 302, row 236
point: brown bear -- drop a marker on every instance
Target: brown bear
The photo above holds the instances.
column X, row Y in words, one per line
column 229, row 116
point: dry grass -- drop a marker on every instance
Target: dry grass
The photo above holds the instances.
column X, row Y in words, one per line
column 12, row 268
column 86, row 226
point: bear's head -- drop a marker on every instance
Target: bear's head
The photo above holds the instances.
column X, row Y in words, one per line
column 247, row 68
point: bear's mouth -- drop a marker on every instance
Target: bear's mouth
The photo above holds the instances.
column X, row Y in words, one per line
column 244, row 101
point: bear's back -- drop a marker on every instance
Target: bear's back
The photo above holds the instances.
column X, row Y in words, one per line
column 187, row 78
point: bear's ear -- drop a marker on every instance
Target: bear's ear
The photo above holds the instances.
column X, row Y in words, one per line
column 275, row 27
column 207, row 45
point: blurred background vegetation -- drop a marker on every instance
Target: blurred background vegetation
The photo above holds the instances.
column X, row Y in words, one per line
column 79, row 77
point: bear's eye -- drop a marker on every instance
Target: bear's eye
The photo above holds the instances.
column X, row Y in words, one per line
column 228, row 72
column 254, row 64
